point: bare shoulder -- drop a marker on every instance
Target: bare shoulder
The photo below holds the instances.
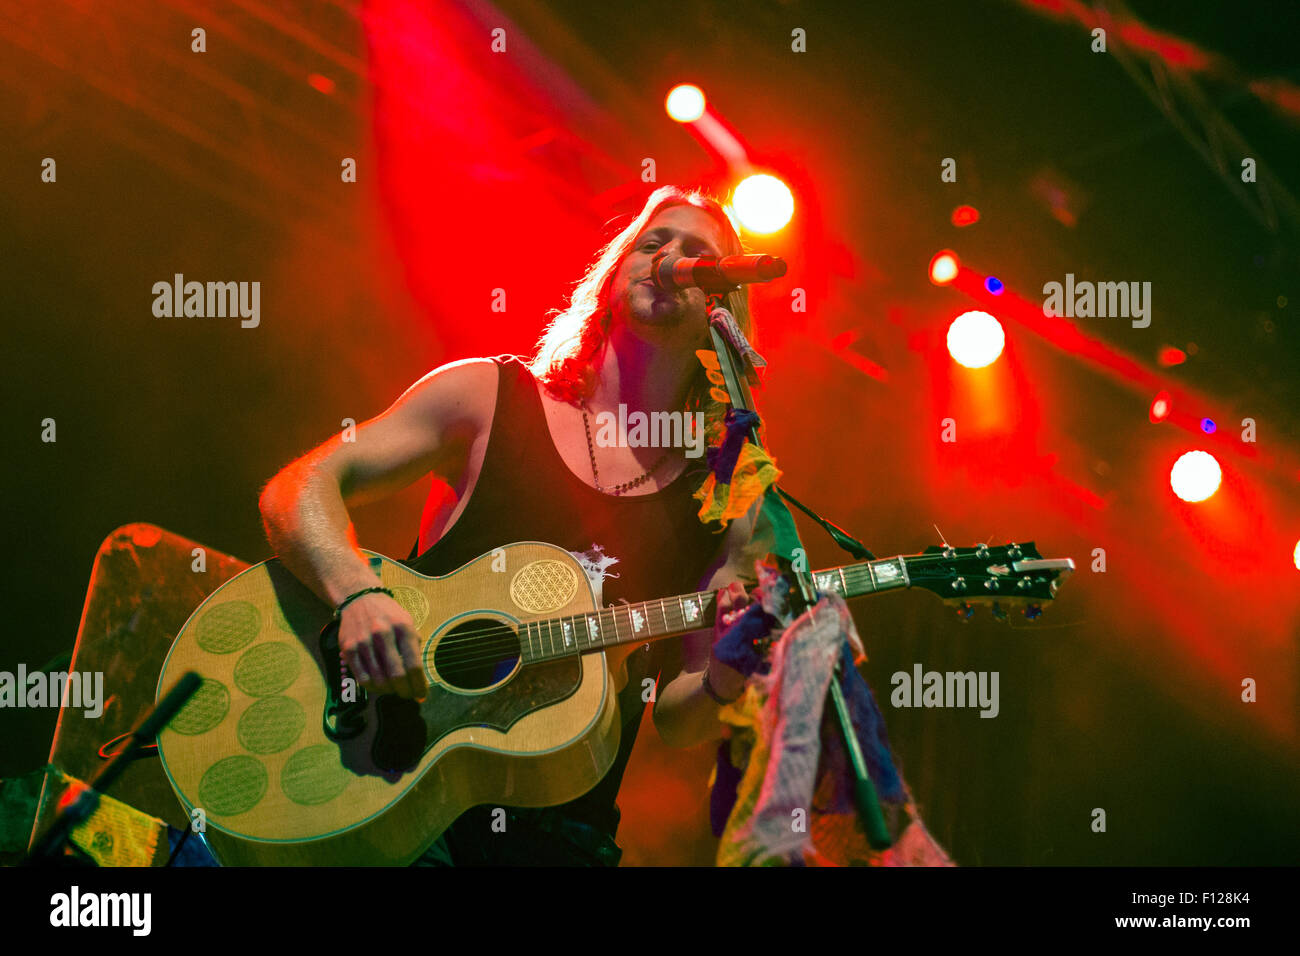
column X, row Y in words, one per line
column 462, row 392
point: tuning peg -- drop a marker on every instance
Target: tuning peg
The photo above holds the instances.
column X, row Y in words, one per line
column 999, row 612
column 1033, row 611
column 964, row 612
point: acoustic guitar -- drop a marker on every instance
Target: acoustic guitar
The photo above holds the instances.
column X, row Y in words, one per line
column 286, row 761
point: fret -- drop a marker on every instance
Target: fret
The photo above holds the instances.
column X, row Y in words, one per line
column 627, row 613
column 889, row 572
column 556, row 637
column 691, row 612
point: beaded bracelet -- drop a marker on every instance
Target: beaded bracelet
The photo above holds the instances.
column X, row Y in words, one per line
column 338, row 611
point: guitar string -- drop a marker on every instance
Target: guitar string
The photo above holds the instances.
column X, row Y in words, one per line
column 471, row 651
column 508, row 645
column 473, row 646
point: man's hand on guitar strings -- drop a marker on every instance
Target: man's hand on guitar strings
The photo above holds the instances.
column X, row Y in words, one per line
column 379, row 643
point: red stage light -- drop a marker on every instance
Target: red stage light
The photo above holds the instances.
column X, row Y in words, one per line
column 1171, row 356
column 975, row 339
column 763, row 203
column 685, row 103
column 1296, row 554
column 1195, row 476
column 943, row 267
column 965, row 215
column 1160, row 408
column 321, row 84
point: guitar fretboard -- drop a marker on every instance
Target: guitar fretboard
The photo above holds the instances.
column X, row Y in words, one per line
column 556, row 637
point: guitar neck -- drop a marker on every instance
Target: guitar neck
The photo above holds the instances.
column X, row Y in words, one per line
column 556, row 637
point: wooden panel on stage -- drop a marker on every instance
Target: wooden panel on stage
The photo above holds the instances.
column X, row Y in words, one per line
column 143, row 588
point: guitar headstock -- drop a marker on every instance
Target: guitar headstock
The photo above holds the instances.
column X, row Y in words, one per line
column 1006, row 576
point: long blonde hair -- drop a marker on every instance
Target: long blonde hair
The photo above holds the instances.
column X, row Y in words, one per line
column 565, row 359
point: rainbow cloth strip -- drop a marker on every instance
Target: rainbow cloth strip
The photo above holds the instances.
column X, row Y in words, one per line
column 740, row 472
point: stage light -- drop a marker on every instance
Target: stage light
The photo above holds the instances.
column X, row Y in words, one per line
column 1208, row 426
column 1169, row 355
column 994, row 285
column 1195, row 476
column 685, row 103
column 763, row 203
column 1296, row 554
column 1160, row 408
column 321, row 84
column 965, row 216
column 943, row 267
column 975, row 339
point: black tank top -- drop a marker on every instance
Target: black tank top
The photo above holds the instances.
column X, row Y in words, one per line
column 525, row 492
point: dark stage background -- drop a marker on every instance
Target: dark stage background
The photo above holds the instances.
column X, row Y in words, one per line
column 225, row 165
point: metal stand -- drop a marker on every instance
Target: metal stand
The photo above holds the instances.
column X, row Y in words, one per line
column 78, row 806
column 737, row 361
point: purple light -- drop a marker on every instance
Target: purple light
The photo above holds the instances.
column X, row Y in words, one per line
column 1208, row 426
column 994, row 285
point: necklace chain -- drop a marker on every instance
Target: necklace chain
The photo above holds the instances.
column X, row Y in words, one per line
column 625, row 486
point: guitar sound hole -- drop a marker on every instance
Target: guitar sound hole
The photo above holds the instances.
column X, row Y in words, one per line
column 476, row 654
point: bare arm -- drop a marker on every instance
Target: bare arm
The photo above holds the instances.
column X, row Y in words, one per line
column 431, row 427
column 684, row 714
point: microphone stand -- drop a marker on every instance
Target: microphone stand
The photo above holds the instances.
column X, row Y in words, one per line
column 80, row 802
column 737, row 361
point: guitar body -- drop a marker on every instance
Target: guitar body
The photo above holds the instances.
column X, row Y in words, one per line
column 283, row 778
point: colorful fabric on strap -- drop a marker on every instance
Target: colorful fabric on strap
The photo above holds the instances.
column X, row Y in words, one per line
column 722, row 457
column 725, row 501
column 793, row 803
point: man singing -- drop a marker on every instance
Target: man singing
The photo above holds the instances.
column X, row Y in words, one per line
column 519, row 446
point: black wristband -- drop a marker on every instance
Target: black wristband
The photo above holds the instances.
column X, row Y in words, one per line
column 338, row 611
column 708, row 689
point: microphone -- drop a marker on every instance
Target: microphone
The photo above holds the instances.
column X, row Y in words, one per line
column 716, row 274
